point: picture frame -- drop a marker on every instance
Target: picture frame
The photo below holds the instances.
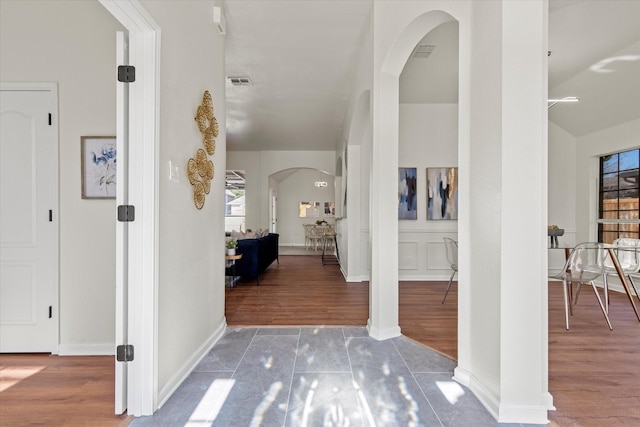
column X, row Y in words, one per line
column 442, row 193
column 407, row 193
column 309, row 209
column 98, row 160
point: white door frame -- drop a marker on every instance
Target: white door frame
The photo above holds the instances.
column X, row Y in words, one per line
column 144, row 54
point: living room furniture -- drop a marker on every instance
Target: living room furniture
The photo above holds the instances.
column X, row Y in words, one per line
column 230, row 261
column 257, row 255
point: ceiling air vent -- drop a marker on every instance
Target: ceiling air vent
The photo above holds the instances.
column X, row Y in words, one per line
column 240, row 81
column 422, row 51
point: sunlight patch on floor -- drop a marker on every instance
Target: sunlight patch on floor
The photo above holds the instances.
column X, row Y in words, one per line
column 263, row 407
column 364, row 405
column 413, row 405
column 211, row 403
column 12, row 375
column 451, row 390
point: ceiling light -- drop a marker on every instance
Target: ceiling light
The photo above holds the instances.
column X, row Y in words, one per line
column 553, row 102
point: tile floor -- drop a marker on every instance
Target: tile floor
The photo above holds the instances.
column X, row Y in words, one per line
column 317, row 376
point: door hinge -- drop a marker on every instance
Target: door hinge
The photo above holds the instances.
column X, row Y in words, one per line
column 126, row 213
column 50, row 215
column 124, row 353
column 50, row 312
column 126, row 73
column 50, row 119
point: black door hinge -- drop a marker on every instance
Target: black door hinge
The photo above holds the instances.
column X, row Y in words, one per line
column 50, row 215
column 126, row 213
column 124, row 353
column 50, row 312
column 50, row 119
column 126, row 73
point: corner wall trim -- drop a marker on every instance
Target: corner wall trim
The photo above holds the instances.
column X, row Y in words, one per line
column 181, row 374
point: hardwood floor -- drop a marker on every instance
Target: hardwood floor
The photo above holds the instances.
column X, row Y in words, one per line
column 38, row 389
column 593, row 372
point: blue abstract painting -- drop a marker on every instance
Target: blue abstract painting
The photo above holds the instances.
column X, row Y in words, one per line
column 442, row 193
column 407, row 193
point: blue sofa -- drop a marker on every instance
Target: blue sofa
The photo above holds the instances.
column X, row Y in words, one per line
column 257, row 255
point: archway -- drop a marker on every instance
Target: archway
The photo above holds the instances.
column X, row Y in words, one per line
column 502, row 110
column 383, row 310
column 293, row 187
column 428, row 145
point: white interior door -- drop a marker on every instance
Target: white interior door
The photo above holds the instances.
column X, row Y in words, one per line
column 122, row 237
column 29, row 219
column 274, row 213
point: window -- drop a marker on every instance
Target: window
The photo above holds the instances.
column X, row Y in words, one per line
column 618, row 196
column 234, row 201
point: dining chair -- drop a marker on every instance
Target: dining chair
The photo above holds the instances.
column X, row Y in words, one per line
column 451, row 248
column 311, row 238
column 585, row 263
column 626, row 250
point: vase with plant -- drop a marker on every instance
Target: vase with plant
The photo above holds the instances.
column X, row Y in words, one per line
column 231, row 246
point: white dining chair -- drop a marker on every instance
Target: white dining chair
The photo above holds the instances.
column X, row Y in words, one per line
column 627, row 252
column 451, row 247
column 585, row 263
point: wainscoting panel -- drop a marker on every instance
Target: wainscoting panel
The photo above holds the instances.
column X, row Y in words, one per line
column 422, row 255
column 407, row 255
column 437, row 256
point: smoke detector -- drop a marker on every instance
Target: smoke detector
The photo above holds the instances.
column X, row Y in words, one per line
column 239, row 80
column 422, row 51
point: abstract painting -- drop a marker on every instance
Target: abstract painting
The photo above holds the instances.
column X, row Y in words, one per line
column 442, row 193
column 407, row 194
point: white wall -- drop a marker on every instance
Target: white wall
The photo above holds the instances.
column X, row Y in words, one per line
column 260, row 165
column 562, row 190
column 354, row 237
column 296, row 188
column 428, row 137
column 191, row 241
column 73, row 44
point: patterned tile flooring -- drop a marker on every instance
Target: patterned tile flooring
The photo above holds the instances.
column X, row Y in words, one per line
column 315, row 376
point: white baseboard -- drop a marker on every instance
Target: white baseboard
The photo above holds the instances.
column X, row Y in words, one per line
column 174, row 382
column 383, row 334
column 485, row 397
column 504, row 413
column 98, row 349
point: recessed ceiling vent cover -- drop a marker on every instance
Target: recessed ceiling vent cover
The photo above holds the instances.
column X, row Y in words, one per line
column 240, row 81
column 422, row 51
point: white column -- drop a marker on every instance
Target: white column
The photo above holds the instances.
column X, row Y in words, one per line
column 524, row 341
column 503, row 350
column 383, row 287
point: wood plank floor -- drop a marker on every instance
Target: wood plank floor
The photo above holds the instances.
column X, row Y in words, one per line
column 594, row 373
column 44, row 390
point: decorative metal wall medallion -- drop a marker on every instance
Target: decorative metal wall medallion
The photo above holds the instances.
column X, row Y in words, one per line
column 200, row 169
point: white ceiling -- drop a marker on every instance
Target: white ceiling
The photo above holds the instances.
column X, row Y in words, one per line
column 301, row 57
